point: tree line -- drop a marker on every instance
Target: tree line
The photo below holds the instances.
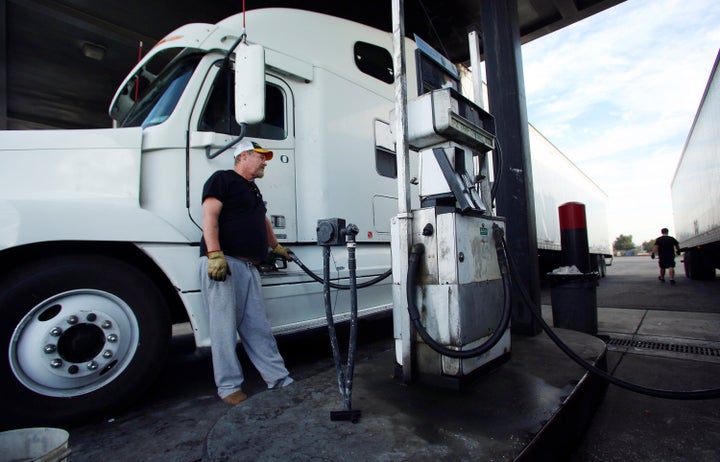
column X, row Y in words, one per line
column 624, row 243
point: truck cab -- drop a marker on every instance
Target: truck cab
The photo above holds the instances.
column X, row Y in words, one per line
column 100, row 231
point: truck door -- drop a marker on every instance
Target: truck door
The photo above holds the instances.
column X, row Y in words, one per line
column 213, row 126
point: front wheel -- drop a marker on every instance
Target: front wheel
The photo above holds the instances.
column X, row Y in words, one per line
column 83, row 334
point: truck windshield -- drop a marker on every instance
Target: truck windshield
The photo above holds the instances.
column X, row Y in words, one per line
column 160, row 95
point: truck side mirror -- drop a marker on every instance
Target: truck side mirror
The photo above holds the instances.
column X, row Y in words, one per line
column 249, row 83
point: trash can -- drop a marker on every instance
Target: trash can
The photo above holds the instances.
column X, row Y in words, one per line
column 34, row 444
column 574, row 301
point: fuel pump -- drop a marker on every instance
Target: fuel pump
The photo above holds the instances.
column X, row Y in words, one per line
column 453, row 301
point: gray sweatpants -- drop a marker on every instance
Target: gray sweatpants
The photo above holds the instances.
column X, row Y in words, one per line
column 236, row 306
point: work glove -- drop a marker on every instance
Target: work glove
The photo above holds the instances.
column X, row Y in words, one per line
column 282, row 252
column 217, row 265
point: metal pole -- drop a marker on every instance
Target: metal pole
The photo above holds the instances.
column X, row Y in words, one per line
column 403, row 167
column 400, row 106
column 474, row 43
column 351, row 232
column 482, row 161
column 3, row 65
column 515, row 201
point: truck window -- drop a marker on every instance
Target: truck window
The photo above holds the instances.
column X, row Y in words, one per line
column 218, row 115
column 159, row 99
column 374, row 61
column 385, row 163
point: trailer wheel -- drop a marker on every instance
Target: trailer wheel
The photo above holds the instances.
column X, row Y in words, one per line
column 698, row 266
column 686, row 264
column 83, row 334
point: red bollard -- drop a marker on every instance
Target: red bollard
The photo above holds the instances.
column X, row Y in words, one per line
column 573, row 296
column 573, row 236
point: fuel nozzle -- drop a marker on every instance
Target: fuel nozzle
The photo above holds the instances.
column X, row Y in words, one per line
column 351, row 231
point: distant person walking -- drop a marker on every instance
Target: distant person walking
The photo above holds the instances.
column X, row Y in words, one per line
column 665, row 248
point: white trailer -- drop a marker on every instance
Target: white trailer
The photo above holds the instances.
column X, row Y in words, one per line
column 556, row 181
column 695, row 187
column 99, row 229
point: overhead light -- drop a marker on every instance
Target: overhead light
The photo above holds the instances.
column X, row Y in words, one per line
column 93, row 51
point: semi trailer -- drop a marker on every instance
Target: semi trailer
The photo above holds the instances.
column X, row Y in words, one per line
column 556, row 181
column 695, row 187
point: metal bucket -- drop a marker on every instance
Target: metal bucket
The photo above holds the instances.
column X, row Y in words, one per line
column 34, row 444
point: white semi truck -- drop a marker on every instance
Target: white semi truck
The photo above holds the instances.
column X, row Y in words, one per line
column 99, row 229
column 695, row 187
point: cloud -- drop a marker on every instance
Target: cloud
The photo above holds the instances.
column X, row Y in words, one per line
column 617, row 94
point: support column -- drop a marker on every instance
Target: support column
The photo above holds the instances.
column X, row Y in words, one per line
column 402, row 224
column 3, row 64
column 514, row 199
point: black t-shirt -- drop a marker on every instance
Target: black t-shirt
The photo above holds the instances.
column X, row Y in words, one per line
column 666, row 247
column 242, row 218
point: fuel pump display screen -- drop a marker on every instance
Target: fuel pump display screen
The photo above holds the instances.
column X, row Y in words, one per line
column 445, row 114
column 464, row 131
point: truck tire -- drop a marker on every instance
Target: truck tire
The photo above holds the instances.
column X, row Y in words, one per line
column 687, row 264
column 602, row 266
column 82, row 334
column 698, row 266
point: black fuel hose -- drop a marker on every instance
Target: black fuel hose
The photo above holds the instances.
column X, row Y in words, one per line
column 344, row 381
column 334, row 285
column 344, row 378
column 414, row 262
column 712, row 393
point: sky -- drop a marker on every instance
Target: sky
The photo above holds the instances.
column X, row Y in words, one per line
column 617, row 94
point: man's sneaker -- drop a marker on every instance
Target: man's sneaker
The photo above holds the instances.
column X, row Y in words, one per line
column 672, row 281
column 234, row 399
column 661, row 279
column 282, row 383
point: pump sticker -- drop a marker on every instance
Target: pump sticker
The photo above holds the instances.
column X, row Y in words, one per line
column 483, row 231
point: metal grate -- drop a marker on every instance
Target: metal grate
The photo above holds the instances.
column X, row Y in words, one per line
column 660, row 346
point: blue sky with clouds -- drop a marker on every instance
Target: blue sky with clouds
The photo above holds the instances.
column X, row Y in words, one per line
column 617, row 94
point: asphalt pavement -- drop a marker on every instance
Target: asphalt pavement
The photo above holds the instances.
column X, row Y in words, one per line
column 658, row 335
column 661, row 336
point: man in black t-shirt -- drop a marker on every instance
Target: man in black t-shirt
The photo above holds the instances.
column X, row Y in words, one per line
column 665, row 248
column 236, row 236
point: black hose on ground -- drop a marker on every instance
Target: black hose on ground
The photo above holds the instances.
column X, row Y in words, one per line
column 712, row 393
